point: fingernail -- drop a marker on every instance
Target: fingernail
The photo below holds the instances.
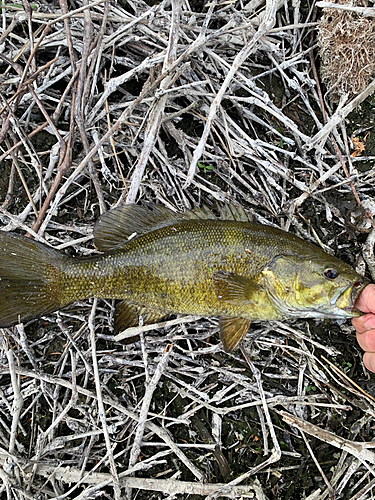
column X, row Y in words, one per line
column 370, row 323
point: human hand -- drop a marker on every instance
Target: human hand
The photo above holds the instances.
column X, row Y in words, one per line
column 365, row 325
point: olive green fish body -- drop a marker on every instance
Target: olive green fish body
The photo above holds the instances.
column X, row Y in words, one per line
column 172, row 269
column 158, row 263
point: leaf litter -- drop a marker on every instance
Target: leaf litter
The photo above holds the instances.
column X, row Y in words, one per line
column 186, row 104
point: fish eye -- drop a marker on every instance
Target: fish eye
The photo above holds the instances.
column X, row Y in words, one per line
column 331, row 274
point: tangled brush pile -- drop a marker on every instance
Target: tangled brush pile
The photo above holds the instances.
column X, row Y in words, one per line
column 347, row 49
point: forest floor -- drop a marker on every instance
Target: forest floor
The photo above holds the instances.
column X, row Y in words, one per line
column 269, row 106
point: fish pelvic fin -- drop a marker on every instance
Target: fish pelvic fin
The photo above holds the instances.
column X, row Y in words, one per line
column 29, row 279
column 232, row 331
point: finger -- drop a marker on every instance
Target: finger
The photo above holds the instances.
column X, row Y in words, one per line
column 366, row 341
column 369, row 361
column 364, row 323
column 366, row 299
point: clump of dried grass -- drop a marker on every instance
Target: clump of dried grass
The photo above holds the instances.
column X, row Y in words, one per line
column 347, row 50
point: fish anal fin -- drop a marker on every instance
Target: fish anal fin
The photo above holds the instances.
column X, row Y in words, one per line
column 233, row 288
column 232, row 331
column 128, row 315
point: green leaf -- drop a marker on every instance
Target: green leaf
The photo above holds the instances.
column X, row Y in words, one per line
column 205, row 168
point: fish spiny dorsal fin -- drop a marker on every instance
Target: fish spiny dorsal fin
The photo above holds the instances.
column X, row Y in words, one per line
column 234, row 212
column 114, row 228
column 201, row 213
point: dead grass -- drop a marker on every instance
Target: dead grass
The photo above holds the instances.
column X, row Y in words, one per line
column 181, row 104
column 347, row 50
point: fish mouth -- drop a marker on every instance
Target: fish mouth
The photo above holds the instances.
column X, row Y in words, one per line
column 345, row 299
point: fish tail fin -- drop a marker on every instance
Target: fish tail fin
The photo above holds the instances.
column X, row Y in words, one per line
column 29, row 279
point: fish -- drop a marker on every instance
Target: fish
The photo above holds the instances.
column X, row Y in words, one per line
column 158, row 262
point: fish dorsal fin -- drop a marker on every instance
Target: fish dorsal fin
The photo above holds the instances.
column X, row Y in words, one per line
column 233, row 288
column 232, row 331
column 114, row 228
column 234, row 212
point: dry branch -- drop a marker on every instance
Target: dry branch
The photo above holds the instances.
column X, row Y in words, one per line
column 357, row 449
column 168, row 486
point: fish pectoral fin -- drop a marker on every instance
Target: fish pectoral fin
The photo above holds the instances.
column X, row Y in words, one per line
column 128, row 315
column 232, row 331
column 233, row 288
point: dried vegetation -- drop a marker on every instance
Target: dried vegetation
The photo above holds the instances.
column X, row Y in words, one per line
column 347, row 48
column 181, row 104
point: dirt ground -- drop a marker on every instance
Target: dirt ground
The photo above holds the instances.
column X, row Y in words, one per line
column 269, row 106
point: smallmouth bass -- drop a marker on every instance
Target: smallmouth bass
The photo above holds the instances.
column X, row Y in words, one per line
column 158, row 263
